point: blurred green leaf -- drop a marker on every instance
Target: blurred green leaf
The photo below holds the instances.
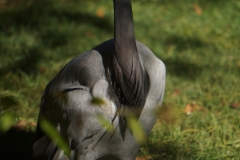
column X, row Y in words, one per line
column 97, row 101
column 54, row 135
column 105, row 123
column 136, row 129
column 7, row 120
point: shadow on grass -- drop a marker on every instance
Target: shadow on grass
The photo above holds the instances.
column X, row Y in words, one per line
column 183, row 43
column 84, row 18
column 182, row 68
column 52, row 37
column 27, row 63
column 16, row 145
column 39, row 13
column 43, row 20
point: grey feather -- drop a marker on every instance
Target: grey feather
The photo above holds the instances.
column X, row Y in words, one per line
column 80, row 121
column 122, row 72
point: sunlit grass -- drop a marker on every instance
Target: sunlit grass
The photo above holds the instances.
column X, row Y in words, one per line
column 198, row 40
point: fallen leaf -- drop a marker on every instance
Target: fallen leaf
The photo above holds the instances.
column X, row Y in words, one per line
column 198, row 9
column 190, row 108
column 100, row 13
column 32, row 124
column 143, row 158
column 235, row 105
column 42, row 69
column 176, row 92
column 89, row 34
column 21, row 124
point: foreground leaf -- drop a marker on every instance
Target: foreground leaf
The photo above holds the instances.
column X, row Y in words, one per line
column 97, row 101
column 105, row 123
column 54, row 135
column 136, row 129
column 6, row 121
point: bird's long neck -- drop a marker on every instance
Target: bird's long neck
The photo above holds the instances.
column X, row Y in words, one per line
column 123, row 28
column 129, row 77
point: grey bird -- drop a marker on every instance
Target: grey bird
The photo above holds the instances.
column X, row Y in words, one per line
column 122, row 72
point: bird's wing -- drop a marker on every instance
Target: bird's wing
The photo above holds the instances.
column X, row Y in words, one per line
column 72, row 86
column 44, row 147
column 157, row 74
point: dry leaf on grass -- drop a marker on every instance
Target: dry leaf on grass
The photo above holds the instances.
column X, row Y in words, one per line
column 89, row 34
column 100, row 13
column 143, row 158
column 198, row 9
column 42, row 69
column 190, row 108
column 23, row 124
column 176, row 93
column 32, row 124
column 235, row 105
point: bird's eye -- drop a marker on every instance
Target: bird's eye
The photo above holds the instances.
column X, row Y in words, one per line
column 88, row 137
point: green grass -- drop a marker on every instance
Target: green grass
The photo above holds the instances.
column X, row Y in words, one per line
column 201, row 52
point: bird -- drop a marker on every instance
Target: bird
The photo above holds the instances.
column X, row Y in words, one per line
column 122, row 72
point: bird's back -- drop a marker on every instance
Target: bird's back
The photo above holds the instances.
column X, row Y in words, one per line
column 66, row 104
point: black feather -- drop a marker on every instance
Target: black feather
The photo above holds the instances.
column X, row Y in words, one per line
column 130, row 80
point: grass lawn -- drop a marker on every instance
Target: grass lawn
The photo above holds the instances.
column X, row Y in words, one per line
column 198, row 40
